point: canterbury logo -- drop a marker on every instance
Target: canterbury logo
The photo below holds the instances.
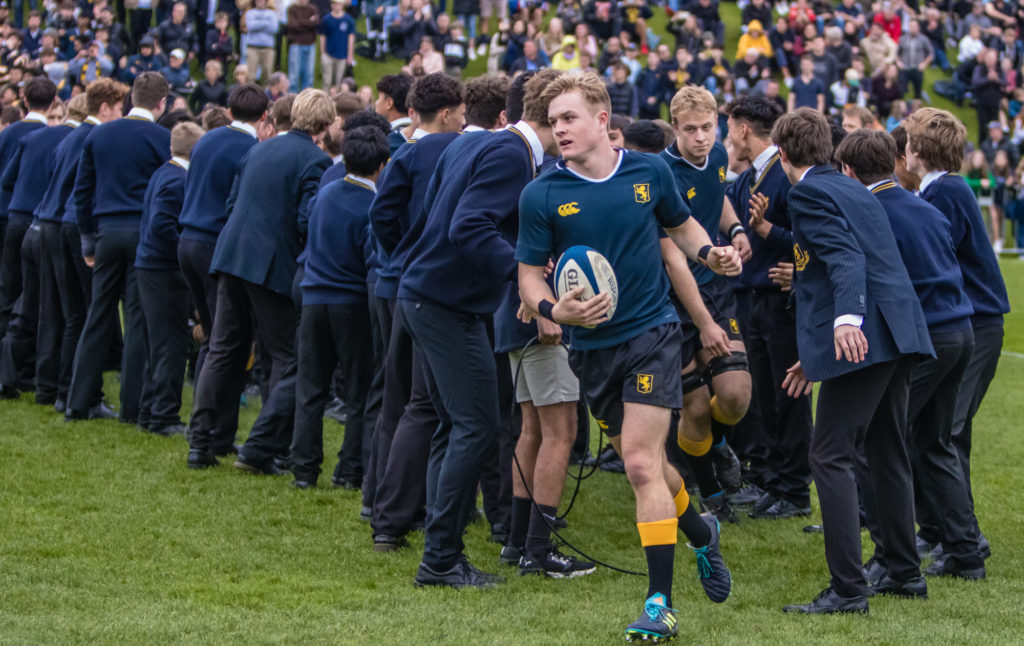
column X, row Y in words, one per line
column 569, row 208
column 801, row 257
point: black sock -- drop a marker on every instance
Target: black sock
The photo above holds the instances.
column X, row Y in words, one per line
column 520, row 522
column 704, row 472
column 718, row 430
column 694, row 528
column 538, row 538
column 660, row 559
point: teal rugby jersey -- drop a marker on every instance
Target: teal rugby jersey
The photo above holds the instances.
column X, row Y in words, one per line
column 618, row 216
column 703, row 190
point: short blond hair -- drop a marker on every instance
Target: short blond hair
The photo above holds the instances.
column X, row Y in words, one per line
column 183, row 137
column 589, row 86
column 535, row 96
column 937, row 138
column 313, row 111
column 692, row 98
column 78, row 107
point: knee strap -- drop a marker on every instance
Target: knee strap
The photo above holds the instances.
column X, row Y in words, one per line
column 735, row 361
column 692, row 381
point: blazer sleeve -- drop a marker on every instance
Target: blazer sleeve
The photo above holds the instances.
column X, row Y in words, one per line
column 490, row 197
column 831, row 241
column 10, row 176
column 390, row 204
column 85, row 188
column 168, row 202
column 308, row 187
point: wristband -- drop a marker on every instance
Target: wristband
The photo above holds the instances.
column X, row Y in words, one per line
column 544, row 308
column 702, row 255
column 735, row 230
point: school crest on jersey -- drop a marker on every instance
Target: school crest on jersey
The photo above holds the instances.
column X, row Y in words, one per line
column 721, row 173
column 642, row 193
column 734, row 327
column 569, row 208
column 644, row 383
column 800, row 257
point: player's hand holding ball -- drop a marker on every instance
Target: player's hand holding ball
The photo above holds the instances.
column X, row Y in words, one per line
column 725, row 260
column 570, row 310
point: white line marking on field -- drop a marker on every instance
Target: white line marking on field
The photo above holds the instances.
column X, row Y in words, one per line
column 1015, row 355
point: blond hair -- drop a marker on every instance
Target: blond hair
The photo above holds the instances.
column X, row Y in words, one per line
column 183, row 137
column 535, row 98
column 692, row 98
column 937, row 138
column 589, row 86
column 313, row 111
column 78, row 107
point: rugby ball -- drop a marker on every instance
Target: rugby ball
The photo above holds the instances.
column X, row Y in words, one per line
column 581, row 266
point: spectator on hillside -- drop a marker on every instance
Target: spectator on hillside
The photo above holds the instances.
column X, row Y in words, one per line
column 530, row 61
column 624, row 99
column 885, row 89
column 686, row 29
column 431, row 59
column 757, row 10
column 604, row 18
column 890, row 21
column 90, row 64
column 177, row 74
column 651, row 88
column 261, row 27
column 567, row 58
column 997, row 141
column 839, row 49
column 754, row 38
column 338, row 45
column 303, row 20
column 177, row 32
column 211, row 91
column 750, row 71
column 147, row 60
column 914, row 57
column 219, row 43
column 709, row 19
column 849, row 11
column 988, row 83
column 808, row 91
column 414, row 25
column 783, row 42
column 879, row 48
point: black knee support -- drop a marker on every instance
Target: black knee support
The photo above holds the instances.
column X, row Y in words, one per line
column 692, row 381
column 720, row 365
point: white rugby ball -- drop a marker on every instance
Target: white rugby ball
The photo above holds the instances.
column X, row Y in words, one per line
column 581, row 266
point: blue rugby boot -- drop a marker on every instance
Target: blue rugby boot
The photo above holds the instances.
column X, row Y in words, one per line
column 711, row 569
column 657, row 625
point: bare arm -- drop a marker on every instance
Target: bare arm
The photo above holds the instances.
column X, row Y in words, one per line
column 713, row 337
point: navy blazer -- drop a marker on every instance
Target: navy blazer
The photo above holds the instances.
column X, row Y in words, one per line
column 268, row 211
column 847, row 262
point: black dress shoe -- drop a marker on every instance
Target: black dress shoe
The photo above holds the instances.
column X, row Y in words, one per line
column 781, row 509
column 874, row 571
column 365, row 513
column 983, row 547
column 748, row 494
column 585, row 458
column 460, row 575
column 946, row 567
column 924, row 548
column 170, row 430
column 199, row 459
column 101, row 411
column 224, row 451
column 6, row 392
column 915, row 588
column 766, row 500
column 499, row 533
column 268, row 469
column 829, row 603
column 304, row 484
column 610, row 461
column 385, row 543
column 341, row 482
column 46, row 400
column 59, row 405
column 814, row 529
column 282, row 462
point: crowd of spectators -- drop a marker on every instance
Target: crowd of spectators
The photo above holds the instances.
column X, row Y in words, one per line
column 827, row 55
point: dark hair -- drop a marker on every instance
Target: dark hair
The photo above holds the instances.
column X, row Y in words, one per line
column 174, row 117
column 805, row 137
column 148, row 90
column 759, row 113
column 899, row 135
column 346, row 104
column 248, row 102
column 9, row 114
column 485, row 100
column 367, row 119
column 871, row 154
column 215, row 117
column 281, row 112
column 619, row 122
column 644, row 135
column 397, row 87
column 838, row 134
column 365, row 149
column 433, row 93
column 39, row 93
column 515, row 96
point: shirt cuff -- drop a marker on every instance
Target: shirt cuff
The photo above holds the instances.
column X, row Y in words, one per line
column 855, row 320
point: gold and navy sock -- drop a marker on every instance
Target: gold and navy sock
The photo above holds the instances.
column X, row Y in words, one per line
column 659, row 541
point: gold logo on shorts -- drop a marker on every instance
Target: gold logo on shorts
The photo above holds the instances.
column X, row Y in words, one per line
column 569, row 208
column 601, row 424
column 801, row 257
column 642, row 193
column 644, row 383
column 690, row 193
column 734, row 327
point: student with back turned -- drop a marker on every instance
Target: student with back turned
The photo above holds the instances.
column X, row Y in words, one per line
column 207, row 185
column 334, row 331
column 935, row 143
column 163, row 293
column 859, row 330
column 923, row 236
column 103, row 100
column 118, row 159
column 255, row 261
column 38, row 97
column 28, row 333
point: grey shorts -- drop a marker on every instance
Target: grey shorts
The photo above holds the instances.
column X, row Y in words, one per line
column 545, row 377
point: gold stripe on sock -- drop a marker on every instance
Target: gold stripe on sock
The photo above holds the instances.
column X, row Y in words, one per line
column 695, row 449
column 682, row 500
column 659, row 532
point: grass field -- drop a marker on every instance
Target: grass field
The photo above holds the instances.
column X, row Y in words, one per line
column 106, row 538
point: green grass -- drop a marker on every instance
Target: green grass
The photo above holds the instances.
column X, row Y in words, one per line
column 108, row 539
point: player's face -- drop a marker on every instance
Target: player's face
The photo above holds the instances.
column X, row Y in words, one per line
column 577, row 132
column 695, row 134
